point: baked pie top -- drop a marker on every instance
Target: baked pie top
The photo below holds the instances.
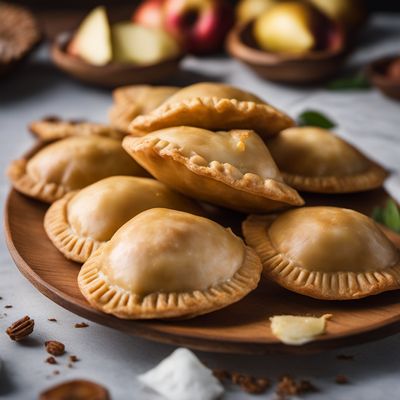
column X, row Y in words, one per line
column 70, row 164
column 325, row 252
column 233, row 169
column 81, row 221
column 131, row 101
column 212, row 89
column 165, row 263
column 316, row 160
column 213, row 106
column 49, row 129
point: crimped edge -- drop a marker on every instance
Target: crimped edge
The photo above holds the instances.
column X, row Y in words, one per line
column 319, row 285
column 24, row 183
column 111, row 299
column 62, row 235
column 372, row 178
column 222, row 172
column 156, row 119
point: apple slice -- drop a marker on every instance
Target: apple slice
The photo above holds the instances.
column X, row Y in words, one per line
column 133, row 43
column 92, row 42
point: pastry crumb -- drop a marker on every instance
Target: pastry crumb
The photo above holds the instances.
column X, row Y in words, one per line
column 74, row 359
column 287, row 387
column 81, row 325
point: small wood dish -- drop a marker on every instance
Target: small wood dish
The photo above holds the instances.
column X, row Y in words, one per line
column 19, row 35
column 113, row 74
column 377, row 74
column 309, row 68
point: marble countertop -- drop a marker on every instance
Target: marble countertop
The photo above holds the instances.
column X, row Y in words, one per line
column 365, row 118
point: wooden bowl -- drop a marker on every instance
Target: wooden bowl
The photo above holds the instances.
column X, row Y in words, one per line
column 377, row 74
column 113, row 74
column 308, row 68
column 19, row 35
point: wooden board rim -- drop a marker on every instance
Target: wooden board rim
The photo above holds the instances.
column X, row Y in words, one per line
column 146, row 330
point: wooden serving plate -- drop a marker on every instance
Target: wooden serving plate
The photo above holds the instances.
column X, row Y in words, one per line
column 304, row 69
column 239, row 328
column 113, row 74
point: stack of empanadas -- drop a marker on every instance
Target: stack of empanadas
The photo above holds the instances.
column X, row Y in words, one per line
column 148, row 248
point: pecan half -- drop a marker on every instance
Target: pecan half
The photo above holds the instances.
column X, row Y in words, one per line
column 55, row 348
column 21, row 329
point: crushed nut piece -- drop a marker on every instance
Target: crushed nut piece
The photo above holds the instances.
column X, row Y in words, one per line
column 73, row 358
column 56, row 372
column 345, row 357
column 51, row 360
column 221, row 374
column 52, row 319
column 342, row 380
column 287, row 386
column 8, row 306
column 55, row 348
column 306, row 387
column 81, row 325
column 255, row 386
column 21, row 328
column 250, row 384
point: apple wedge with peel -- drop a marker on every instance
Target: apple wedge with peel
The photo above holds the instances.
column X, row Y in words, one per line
column 92, row 42
column 133, row 43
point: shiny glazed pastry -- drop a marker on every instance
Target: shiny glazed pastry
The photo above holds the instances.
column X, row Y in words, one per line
column 49, row 129
column 232, row 169
column 325, row 252
column 81, row 221
column 131, row 101
column 213, row 106
column 315, row 160
column 70, row 164
column 165, row 263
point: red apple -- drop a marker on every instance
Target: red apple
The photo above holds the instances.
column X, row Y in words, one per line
column 200, row 25
column 150, row 13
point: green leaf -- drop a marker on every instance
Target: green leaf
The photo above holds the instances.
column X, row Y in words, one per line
column 377, row 215
column 355, row 82
column 388, row 215
column 391, row 216
column 315, row 118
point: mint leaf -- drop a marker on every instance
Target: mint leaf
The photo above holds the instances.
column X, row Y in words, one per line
column 391, row 216
column 355, row 82
column 377, row 215
column 388, row 215
column 315, row 118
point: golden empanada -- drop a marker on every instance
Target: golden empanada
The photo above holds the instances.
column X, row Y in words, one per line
column 81, row 221
column 213, row 106
column 165, row 263
column 146, row 97
column 315, row 160
column 325, row 252
column 131, row 101
column 49, row 129
column 70, row 164
column 232, row 169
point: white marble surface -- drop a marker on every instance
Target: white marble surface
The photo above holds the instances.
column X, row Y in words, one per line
column 365, row 118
